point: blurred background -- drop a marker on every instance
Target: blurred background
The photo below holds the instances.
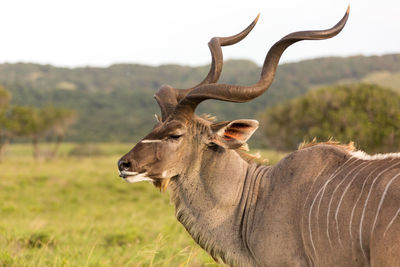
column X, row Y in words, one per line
column 77, row 80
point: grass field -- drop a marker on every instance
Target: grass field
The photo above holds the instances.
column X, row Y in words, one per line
column 76, row 211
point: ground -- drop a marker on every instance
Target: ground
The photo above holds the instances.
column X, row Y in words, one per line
column 76, row 211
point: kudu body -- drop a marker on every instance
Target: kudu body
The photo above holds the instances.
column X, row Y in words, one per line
column 320, row 206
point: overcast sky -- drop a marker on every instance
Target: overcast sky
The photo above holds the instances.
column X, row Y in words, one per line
column 99, row 33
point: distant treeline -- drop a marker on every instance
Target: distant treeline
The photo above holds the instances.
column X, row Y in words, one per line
column 116, row 103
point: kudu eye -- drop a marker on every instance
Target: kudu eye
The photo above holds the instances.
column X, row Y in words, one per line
column 175, row 136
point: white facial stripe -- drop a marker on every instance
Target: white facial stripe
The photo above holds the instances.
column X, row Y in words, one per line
column 151, row 141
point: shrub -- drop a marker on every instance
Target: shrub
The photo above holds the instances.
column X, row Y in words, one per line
column 364, row 113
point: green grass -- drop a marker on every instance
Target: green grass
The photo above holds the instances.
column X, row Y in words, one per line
column 76, row 211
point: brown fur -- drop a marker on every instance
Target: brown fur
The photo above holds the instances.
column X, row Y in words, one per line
column 208, row 117
column 252, row 158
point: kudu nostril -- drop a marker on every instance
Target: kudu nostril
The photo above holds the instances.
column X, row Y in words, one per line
column 124, row 165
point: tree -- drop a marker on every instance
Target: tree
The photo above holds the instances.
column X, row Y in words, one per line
column 364, row 113
column 58, row 121
column 27, row 121
column 37, row 123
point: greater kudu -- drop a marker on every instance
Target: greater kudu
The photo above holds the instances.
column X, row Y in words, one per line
column 324, row 205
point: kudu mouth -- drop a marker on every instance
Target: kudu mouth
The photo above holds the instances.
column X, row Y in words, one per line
column 127, row 167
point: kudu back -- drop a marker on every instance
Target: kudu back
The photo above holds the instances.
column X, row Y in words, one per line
column 323, row 205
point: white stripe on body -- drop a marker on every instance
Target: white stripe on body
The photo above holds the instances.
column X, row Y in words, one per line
column 315, row 198
column 391, row 222
column 366, row 202
column 322, row 189
column 341, row 198
column 309, row 218
column 358, row 199
column 331, row 199
column 309, row 213
column 381, row 201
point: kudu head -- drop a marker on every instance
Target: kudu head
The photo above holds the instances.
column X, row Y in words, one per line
column 181, row 140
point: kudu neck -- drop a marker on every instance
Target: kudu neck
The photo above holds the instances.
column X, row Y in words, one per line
column 211, row 201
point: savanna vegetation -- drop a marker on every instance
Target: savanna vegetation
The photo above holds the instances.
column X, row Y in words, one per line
column 33, row 123
column 116, row 103
column 73, row 210
column 367, row 114
column 76, row 211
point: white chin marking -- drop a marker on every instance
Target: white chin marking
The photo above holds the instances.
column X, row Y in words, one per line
column 138, row 177
column 127, row 173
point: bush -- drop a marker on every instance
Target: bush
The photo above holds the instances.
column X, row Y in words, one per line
column 364, row 113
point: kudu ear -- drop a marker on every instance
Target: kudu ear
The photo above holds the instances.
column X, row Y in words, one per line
column 233, row 134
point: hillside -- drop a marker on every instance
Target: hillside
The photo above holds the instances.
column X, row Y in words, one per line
column 116, row 103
